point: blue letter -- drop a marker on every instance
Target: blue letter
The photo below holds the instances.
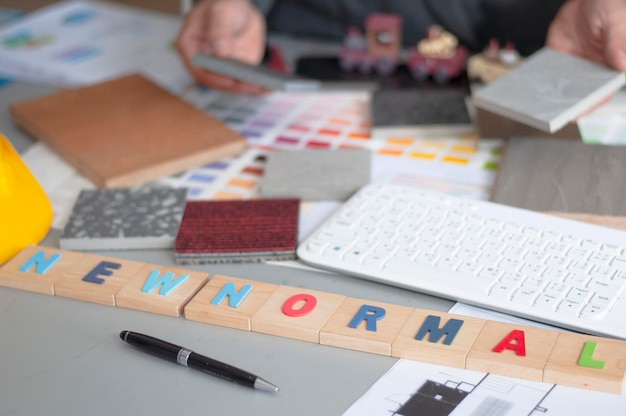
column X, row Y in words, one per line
column 369, row 314
column 234, row 298
column 168, row 282
column 431, row 324
column 101, row 269
column 39, row 259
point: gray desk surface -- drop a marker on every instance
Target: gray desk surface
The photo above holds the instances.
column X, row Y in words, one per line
column 64, row 357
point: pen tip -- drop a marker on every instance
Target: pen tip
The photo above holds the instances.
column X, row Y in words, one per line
column 123, row 335
column 265, row 385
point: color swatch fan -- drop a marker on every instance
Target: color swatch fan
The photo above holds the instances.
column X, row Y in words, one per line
column 238, row 231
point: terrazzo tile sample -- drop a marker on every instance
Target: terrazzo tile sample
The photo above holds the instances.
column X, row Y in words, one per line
column 124, row 218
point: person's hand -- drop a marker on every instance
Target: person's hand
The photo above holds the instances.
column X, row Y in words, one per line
column 226, row 29
column 592, row 29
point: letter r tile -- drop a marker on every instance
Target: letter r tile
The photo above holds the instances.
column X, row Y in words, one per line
column 563, row 365
column 444, row 339
column 112, row 273
column 37, row 268
column 160, row 289
column 538, row 343
column 234, row 307
column 272, row 320
column 385, row 321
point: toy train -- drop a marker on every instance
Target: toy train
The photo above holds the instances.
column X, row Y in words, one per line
column 438, row 55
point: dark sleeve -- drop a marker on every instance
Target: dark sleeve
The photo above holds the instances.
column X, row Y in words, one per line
column 330, row 19
column 523, row 22
column 474, row 22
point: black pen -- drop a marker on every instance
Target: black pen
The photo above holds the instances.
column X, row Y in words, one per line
column 188, row 358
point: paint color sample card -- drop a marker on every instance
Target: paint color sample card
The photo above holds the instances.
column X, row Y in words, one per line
column 562, row 175
column 549, row 89
column 126, row 131
column 314, row 175
column 238, row 231
column 113, row 219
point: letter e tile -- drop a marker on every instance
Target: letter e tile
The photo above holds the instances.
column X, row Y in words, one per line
column 96, row 279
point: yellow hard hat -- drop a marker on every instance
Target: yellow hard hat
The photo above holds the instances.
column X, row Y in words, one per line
column 25, row 210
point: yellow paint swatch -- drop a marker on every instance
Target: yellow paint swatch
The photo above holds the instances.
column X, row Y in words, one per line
column 464, row 149
column 454, row 159
column 422, row 155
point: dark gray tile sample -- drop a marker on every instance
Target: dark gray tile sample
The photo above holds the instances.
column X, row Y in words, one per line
column 124, row 218
column 562, row 175
column 255, row 74
column 419, row 107
column 315, row 175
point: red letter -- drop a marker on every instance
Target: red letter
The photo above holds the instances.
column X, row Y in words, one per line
column 309, row 304
column 514, row 341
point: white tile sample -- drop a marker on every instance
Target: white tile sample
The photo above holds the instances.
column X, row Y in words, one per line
column 549, row 90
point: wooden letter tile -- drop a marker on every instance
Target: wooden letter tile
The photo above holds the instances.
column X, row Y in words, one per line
column 96, row 279
column 36, row 268
column 525, row 350
column 598, row 366
column 437, row 337
column 229, row 301
column 306, row 316
column 161, row 289
column 365, row 326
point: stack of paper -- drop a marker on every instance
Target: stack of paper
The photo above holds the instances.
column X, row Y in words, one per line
column 77, row 43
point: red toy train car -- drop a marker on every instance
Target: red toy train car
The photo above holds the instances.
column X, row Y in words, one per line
column 438, row 55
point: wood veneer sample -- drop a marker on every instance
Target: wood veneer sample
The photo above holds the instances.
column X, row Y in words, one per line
column 126, row 131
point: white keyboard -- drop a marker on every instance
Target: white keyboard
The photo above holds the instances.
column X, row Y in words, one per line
column 548, row 269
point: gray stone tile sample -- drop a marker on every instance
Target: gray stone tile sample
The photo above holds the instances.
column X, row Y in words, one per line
column 549, row 89
column 562, row 175
column 315, row 175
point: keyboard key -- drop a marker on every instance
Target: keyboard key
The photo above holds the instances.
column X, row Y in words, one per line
column 317, row 246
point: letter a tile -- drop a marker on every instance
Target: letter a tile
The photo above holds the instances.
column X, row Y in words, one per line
column 238, row 301
column 307, row 317
column 364, row 326
column 161, row 289
column 600, row 367
column 523, row 355
column 36, row 268
column 437, row 337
